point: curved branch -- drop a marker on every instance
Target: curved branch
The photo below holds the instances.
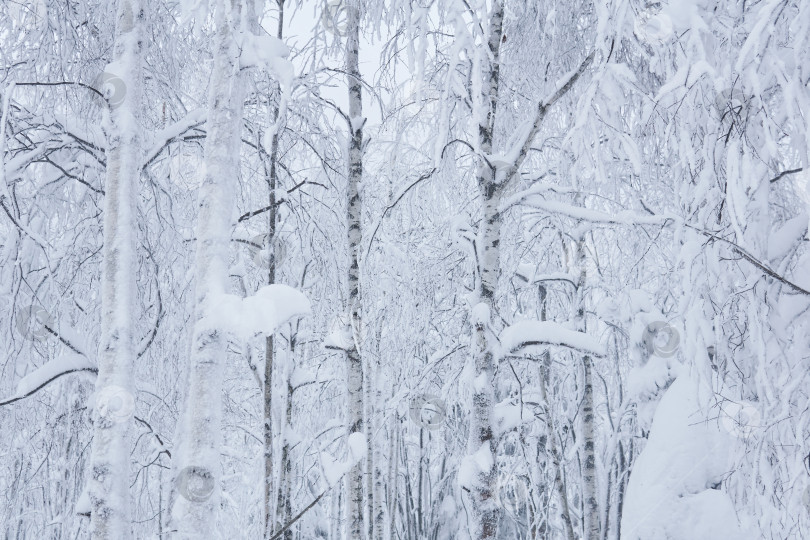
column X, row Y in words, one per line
column 147, row 341
column 396, row 201
column 416, row 182
column 46, row 383
column 248, row 215
column 65, row 342
column 62, row 83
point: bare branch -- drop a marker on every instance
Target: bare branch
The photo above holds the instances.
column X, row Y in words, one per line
column 267, row 208
column 396, row 201
column 785, row 173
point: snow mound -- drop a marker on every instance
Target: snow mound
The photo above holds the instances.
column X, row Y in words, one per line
column 267, row 52
column 333, row 469
column 672, row 489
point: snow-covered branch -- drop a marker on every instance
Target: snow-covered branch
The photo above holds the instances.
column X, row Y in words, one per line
column 514, row 157
column 55, row 369
column 524, row 335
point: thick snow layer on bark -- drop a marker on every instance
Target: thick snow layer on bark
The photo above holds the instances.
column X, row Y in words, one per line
column 268, row 52
column 544, row 333
column 334, row 469
column 479, row 313
column 508, row 416
column 670, row 494
column 645, row 382
column 261, row 313
column 339, row 339
column 473, row 465
column 83, row 505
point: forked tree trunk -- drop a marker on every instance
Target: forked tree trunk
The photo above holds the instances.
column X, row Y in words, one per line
column 195, row 514
column 109, row 462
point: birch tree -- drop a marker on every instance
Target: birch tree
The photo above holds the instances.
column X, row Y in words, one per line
column 271, row 171
column 736, row 193
column 495, row 170
column 354, row 208
column 556, row 258
column 194, row 511
column 481, row 445
column 109, row 466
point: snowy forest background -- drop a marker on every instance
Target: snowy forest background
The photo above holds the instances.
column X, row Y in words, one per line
column 405, row 269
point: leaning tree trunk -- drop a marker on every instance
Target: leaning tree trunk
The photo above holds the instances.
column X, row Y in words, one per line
column 109, row 462
column 195, row 507
column 485, row 512
column 354, row 378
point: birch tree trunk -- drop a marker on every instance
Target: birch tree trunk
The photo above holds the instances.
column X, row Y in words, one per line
column 368, row 400
column 284, row 504
column 109, row 468
column 378, row 506
column 556, row 460
column 481, row 444
column 591, row 510
column 590, row 503
column 354, row 365
column 195, row 508
column 271, row 173
column 393, row 475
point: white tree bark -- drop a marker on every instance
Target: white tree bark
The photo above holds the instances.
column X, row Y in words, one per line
column 485, row 512
column 368, row 379
column 354, row 365
column 393, row 474
column 284, row 495
column 591, row 522
column 589, row 490
column 109, row 462
column 378, row 504
column 271, row 173
column 195, row 516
